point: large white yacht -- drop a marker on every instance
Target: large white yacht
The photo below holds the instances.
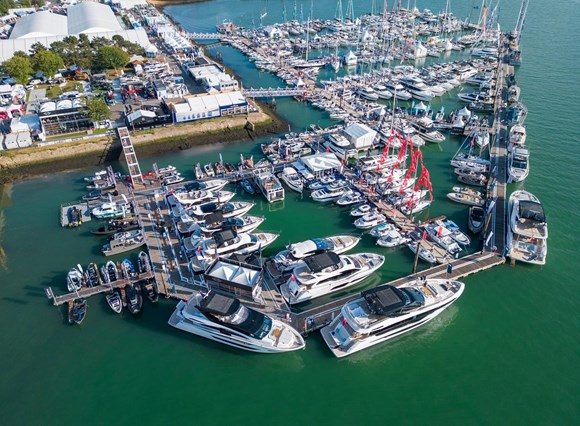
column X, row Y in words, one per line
column 226, row 320
column 528, row 239
column 517, row 135
column 231, row 209
column 291, row 178
column 202, row 252
column 287, row 259
column 385, row 312
column 325, row 273
column 194, row 198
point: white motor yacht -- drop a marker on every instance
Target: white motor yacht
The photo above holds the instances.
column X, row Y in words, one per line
column 330, row 193
column 291, row 178
column 368, row 93
column 424, row 254
column 528, row 239
column 226, row 320
column 208, row 185
column 337, row 244
column 350, row 199
column 361, row 210
column 517, row 135
column 370, row 220
column 328, row 272
column 519, row 164
column 392, row 238
column 442, row 236
column 202, row 252
column 381, row 229
column 231, row 209
column 385, row 312
column 193, row 198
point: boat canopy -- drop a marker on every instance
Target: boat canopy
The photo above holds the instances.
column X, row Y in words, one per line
column 385, row 300
column 531, row 210
column 309, row 246
column 222, row 237
column 209, row 207
column 214, row 218
column 319, row 262
column 218, row 304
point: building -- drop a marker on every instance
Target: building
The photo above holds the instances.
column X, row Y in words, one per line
column 321, row 164
column 239, row 279
column 45, row 27
column 63, row 116
column 213, row 78
column 199, row 107
column 360, row 135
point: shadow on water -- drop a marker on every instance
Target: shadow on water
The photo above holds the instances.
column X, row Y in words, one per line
column 15, row 300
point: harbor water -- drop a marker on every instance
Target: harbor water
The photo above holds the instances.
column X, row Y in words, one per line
column 507, row 352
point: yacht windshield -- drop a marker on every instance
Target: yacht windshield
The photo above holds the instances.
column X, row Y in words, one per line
column 250, row 322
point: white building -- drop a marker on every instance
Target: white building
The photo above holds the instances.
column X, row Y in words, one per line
column 193, row 108
column 213, row 78
column 321, row 164
column 45, row 27
column 360, row 135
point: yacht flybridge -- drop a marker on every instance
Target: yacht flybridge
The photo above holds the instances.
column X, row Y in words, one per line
column 226, row 320
column 385, row 312
column 325, row 273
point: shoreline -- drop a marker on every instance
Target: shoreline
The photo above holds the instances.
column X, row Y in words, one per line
column 36, row 161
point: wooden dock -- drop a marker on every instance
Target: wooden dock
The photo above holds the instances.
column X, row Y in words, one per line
column 85, row 292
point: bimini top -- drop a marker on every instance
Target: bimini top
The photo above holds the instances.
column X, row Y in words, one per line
column 218, row 304
column 319, row 262
column 223, row 236
column 214, row 218
column 384, row 300
column 531, row 210
column 310, row 246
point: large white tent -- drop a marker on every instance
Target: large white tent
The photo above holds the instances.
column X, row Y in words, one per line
column 90, row 18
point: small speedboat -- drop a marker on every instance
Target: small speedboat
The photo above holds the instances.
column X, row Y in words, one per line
column 350, row 199
column 470, row 200
column 473, row 181
column 456, row 233
column 469, row 191
column 92, row 275
column 77, row 312
column 128, row 269
column 74, row 279
column 392, row 238
column 143, row 262
column 114, row 301
column 133, row 299
column 379, row 230
column 361, row 210
column 476, row 219
column 110, row 273
column 247, row 186
column 150, row 290
column 424, row 254
column 370, row 220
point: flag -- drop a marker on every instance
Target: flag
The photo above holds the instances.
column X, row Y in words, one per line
column 344, row 321
column 440, row 231
column 327, row 148
column 424, row 234
column 293, row 278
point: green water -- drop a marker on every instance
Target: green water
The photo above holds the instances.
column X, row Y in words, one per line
column 507, row 352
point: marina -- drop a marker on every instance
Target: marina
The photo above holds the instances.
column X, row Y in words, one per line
column 489, row 315
column 173, row 273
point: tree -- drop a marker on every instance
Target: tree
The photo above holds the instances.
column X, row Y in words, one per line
column 36, row 47
column 111, row 57
column 47, row 62
column 19, row 67
column 98, row 109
